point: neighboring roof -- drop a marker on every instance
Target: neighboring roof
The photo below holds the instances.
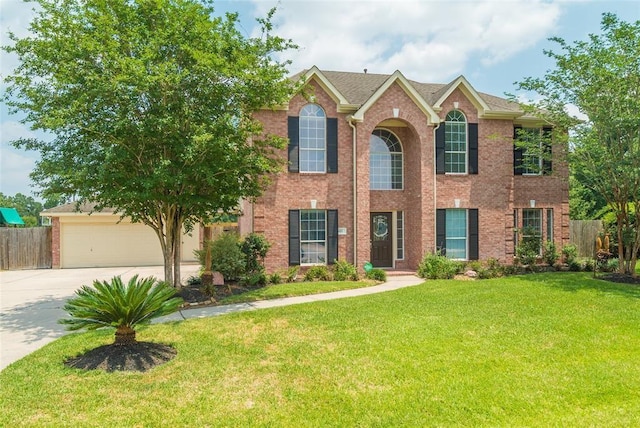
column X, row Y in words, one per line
column 74, row 208
column 354, row 90
column 10, row 216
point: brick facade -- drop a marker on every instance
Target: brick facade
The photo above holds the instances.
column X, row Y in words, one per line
column 412, row 116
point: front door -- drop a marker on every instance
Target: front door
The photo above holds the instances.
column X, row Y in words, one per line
column 381, row 240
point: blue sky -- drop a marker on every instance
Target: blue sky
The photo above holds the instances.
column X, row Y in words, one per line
column 492, row 43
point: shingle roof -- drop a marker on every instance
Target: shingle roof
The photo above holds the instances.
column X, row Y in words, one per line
column 357, row 88
column 73, row 207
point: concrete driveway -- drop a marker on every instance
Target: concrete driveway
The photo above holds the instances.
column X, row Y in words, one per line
column 31, row 302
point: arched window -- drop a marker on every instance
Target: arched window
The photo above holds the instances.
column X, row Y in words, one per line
column 313, row 139
column 385, row 161
column 455, row 146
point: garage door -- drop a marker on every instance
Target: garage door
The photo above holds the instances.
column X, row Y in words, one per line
column 104, row 245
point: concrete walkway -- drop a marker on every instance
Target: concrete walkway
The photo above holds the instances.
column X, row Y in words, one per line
column 393, row 283
column 31, row 302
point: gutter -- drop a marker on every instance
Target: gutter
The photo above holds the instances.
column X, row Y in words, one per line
column 354, row 134
column 435, row 191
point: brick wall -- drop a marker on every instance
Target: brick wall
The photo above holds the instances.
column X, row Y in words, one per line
column 494, row 191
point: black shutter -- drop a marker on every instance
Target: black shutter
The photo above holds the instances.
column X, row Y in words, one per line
column 517, row 152
column 473, row 148
column 294, row 237
column 473, row 234
column 440, row 149
column 547, row 152
column 332, row 145
column 441, row 234
column 294, row 137
column 332, row 236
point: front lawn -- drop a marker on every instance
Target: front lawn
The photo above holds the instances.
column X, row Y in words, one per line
column 557, row 349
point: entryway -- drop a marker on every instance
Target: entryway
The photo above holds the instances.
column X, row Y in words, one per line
column 381, row 240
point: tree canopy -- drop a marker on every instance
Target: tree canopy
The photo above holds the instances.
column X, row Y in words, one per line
column 151, row 104
column 601, row 77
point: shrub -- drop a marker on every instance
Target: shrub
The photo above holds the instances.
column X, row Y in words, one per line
column 254, row 279
column 528, row 251
column 550, row 253
column 275, row 278
column 119, row 305
column 437, row 266
column 492, row 269
column 345, row 271
column 575, row 266
column 292, row 273
column 319, row 272
column 194, row 280
column 226, row 256
column 612, row 265
column 475, row 265
column 377, row 275
column 569, row 253
column 589, row 265
column 255, row 248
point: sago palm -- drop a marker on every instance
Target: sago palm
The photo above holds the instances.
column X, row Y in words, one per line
column 119, row 305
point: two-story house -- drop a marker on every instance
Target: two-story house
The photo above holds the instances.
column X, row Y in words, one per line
column 383, row 169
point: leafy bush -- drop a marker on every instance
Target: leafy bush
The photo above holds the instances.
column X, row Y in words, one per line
column 254, row 279
column 492, row 269
column 550, row 253
column 275, row 278
column 292, row 273
column 377, row 275
column 345, row 271
column 569, row 254
column 255, row 248
column 437, row 266
column 319, row 272
column 528, row 250
column 194, row 280
column 119, row 305
column 226, row 257
column 612, row 265
column 588, row 265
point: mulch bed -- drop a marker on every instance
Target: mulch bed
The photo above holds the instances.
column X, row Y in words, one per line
column 136, row 357
column 193, row 295
column 620, row 278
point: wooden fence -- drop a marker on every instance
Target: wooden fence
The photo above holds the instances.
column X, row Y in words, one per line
column 25, row 248
column 583, row 234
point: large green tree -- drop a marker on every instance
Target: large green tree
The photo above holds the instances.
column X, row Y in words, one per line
column 601, row 77
column 151, row 104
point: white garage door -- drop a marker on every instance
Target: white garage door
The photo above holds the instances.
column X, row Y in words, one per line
column 104, row 245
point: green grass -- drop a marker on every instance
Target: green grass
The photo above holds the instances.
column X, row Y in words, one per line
column 558, row 349
column 294, row 289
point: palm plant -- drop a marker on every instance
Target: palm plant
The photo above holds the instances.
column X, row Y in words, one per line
column 114, row 304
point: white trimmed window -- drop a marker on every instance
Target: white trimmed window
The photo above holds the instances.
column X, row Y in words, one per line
column 313, row 139
column 456, row 233
column 532, row 226
column 385, row 161
column 313, row 237
column 455, row 146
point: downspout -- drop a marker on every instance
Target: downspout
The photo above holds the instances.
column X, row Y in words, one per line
column 435, row 190
column 355, row 193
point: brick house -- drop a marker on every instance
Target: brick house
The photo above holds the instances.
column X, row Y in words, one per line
column 384, row 169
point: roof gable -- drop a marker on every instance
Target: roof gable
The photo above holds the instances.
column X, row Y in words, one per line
column 468, row 90
column 408, row 88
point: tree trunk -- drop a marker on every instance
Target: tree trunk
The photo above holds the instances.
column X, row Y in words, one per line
column 177, row 254
column 125, row 336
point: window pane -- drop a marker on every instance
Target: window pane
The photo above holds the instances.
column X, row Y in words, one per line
column 312, row 144
column 456, row 233
column 313, row 228
column 385, row 161
column 455, row 143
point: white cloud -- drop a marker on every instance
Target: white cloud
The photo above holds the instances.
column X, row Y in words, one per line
column 15, row 16
column 429, row 41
